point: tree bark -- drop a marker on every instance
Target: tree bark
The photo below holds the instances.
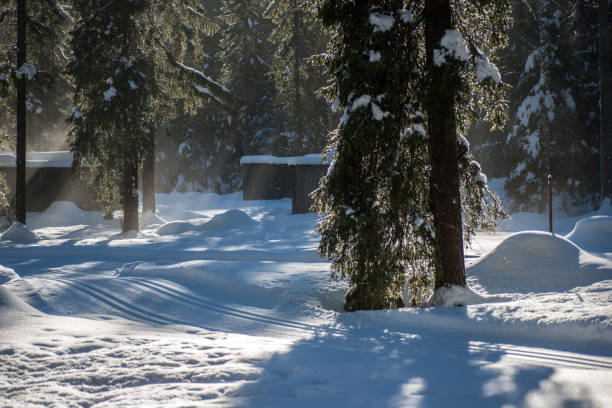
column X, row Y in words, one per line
column 20, row 185
column 605, row 127
column 148, row 178
column 441, row 121
column 297, row 79
column 130, row 196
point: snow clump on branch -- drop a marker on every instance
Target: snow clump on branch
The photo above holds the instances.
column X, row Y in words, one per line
column 452, row 45
column 486, row 69
column 381, row 22
column 27, row 70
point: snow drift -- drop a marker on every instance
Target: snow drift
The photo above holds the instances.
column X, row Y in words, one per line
column 593, row 234
column 537, row 262
column 18, row 234
column 228, row 220
column 7, row 274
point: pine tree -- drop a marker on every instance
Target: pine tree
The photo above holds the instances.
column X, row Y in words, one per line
column 555, row 115
column 378, row 224
column 115, row 84
column 33, row 63
column 47, row 92
column 129, row 81
column 245, row 52
column 298, row 35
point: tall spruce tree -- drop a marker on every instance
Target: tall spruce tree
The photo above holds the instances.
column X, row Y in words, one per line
column 245, row 52
column 30, row 63
column 132, row 87
column 554, row 127
column 298, row 35
column 379, row 215
column 114, row 87
column 47, row 96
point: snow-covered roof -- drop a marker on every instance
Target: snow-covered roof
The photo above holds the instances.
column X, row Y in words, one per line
column 38, row 159
column 309, row 159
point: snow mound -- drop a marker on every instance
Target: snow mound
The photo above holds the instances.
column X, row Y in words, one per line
column 150, row 218
column 533, row 261
column 9, row 302
column 7, row 274
column 177, row 227
column 19, row 234
column 63, row 214
column 593, row 234
column 455, row 296
column 228, row 220
column 606, row 207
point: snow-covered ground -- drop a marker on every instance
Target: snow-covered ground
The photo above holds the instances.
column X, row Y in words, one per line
column 221, row 302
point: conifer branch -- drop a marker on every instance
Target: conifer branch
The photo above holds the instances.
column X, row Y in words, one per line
column 205, row 86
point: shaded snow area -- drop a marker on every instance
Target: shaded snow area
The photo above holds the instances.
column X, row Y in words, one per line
column 221, row 302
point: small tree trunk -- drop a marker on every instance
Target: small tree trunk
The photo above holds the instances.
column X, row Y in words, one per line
column 445, row 195
column 20, row 187
column 130, row 196
column 297, row 78
column 148, row 179
column 605, row 128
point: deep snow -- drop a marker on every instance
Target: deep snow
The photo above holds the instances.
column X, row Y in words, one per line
column 221, row 302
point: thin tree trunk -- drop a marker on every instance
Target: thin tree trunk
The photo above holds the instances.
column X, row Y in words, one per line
column 297, row 79
column 605, row 128
column 148, row 178
column 130, row 196
column 445, row 195
column 20, row 190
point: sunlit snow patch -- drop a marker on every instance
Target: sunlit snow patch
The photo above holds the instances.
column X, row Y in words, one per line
column 593, row 234
column 62, row 214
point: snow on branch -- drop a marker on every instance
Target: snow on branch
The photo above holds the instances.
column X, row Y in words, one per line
column 486, row 69
column 205, row 91
column 27, row 70
column 452, row 45
column 61, row 9
column 206, row 85
column 381, row 22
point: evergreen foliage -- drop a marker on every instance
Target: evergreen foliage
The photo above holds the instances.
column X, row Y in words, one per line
column 48, row 91
column 297, row 36
column 377, row 225
column 138, row 84
column 245, row 52
column 555, row 114
column 114, row 89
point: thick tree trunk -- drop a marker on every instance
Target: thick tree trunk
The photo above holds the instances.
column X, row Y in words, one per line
column 130, row 196
column 445, row 195
column 148, row 178
column 20, row 188
column 605, row 128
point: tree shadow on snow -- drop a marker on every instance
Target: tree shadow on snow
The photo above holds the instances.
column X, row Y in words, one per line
column 373, row 367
